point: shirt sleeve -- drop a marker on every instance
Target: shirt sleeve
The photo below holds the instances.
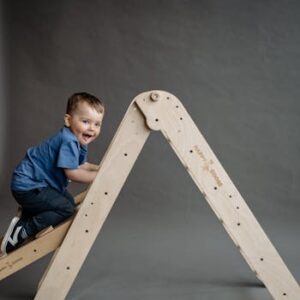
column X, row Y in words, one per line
column 83, row 155
column 68, row 155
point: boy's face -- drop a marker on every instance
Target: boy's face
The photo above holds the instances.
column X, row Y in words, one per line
column 85, row 122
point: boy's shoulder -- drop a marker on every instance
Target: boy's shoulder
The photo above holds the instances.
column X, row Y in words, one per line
column 67, row 135
column 63, row 136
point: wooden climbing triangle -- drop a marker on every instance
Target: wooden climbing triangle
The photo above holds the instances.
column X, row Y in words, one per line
column 72, row 240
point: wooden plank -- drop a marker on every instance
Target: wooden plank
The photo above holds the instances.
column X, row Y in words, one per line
column 166, row 113
column 45, row 243
column 114, row 169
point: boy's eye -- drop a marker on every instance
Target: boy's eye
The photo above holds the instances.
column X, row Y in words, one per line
column 98, row 124
column 85, row 121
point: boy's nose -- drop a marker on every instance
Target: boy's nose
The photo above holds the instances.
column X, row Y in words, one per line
column 92, row 127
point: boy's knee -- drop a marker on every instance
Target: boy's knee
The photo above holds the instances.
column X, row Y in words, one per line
column 69, row 210
column 65, row 209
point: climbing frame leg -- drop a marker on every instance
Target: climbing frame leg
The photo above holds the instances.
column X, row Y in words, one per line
column 166, row 113
column 100, row 198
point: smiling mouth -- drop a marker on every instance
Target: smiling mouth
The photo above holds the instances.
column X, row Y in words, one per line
column 86, row 136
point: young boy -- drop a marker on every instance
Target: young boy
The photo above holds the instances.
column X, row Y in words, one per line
column 40, row 180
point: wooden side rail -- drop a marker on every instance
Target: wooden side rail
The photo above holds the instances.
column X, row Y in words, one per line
column 166, row 113
column 114, row 170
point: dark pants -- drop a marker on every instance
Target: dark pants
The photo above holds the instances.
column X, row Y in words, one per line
column 43, row 207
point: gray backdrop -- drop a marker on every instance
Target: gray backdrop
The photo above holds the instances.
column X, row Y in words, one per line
column 235, row 65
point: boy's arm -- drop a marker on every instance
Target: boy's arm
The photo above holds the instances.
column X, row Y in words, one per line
column 89, row 167
column 81, row 175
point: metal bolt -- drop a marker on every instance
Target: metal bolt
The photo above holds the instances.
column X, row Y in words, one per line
column 154, row 96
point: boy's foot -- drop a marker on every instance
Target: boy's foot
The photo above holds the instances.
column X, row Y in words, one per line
column 13, row 236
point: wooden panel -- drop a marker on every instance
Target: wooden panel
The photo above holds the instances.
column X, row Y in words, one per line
column 166, row 113
column 114, row 169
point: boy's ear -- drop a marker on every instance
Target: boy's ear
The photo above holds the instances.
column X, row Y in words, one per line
column 67, row 119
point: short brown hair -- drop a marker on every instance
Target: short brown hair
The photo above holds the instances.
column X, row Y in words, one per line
column 76, row 98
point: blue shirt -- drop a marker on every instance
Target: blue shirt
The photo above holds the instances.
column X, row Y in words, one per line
column 44, row 164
